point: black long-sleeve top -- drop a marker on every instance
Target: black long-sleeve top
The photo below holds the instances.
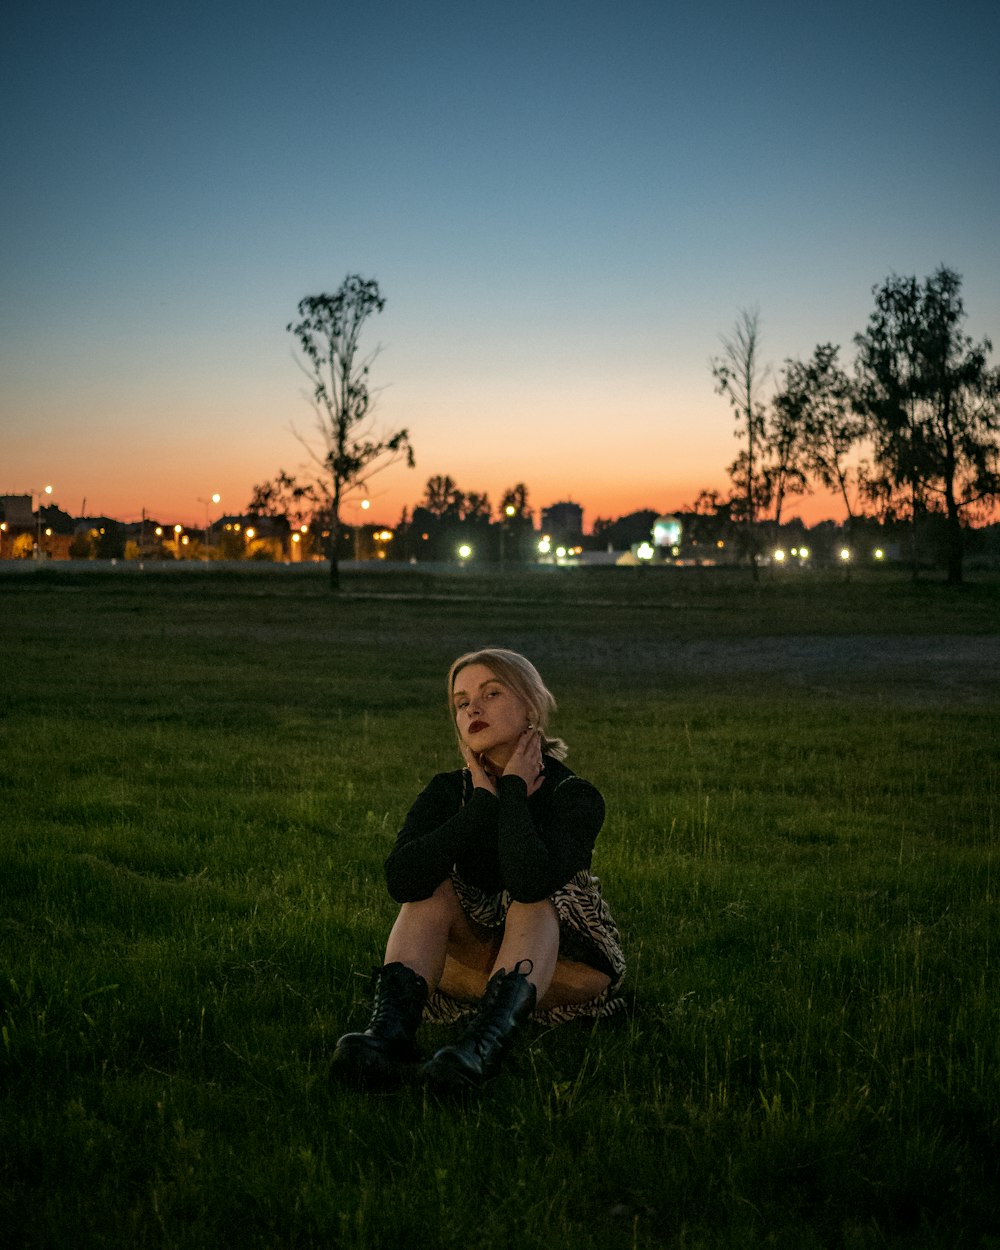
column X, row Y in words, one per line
column 530, row 846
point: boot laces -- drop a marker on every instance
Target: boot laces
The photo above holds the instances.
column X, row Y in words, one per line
column 390, row 998
column 485, row 1032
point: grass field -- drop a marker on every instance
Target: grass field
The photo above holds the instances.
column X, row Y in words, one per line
column 200, row 776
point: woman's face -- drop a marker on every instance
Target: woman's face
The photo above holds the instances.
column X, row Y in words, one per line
column 489, row 715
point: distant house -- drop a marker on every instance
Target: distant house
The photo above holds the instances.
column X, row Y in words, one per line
column 563, row 522
column 21, row 528
column 98, row 537
column 17, row 511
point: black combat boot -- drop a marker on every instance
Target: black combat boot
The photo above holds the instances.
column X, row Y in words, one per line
column 509, row 1000
column 382, row 1053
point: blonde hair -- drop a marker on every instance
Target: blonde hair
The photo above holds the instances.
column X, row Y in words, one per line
column 524, row 679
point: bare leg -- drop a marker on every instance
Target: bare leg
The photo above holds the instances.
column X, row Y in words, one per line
column 531, row 931
column 573, row 982
column 435, row 938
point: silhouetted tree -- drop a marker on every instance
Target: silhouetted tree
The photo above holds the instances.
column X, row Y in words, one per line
column 817, row 398
column 784, row 455
column 709, row 521
column 450, row 516
column 515, row 522
column 635, row 527
column 739, row 376
column 516, row 497
column 328, row 333
column 931, row 401
column 285, row 498
column 442, row 497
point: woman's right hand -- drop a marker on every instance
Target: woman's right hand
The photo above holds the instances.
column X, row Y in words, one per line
column 481, row 779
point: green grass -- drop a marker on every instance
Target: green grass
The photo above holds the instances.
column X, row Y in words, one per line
column 201, row 775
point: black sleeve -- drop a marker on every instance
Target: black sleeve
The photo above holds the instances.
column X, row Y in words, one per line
column 535, row 861
column 436, row 830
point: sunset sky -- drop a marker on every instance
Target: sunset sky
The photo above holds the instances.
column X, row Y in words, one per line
column 565, row 204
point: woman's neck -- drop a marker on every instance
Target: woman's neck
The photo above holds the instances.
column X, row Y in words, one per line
column 497, row 760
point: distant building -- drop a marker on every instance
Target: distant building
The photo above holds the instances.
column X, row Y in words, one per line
column 17, row 511
column 563, row 523
column 667, row 533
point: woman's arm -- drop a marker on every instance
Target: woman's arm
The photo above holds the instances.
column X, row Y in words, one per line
column 537, row 861
column 436, row 830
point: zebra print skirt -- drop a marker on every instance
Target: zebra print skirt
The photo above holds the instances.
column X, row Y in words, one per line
column 587, row 934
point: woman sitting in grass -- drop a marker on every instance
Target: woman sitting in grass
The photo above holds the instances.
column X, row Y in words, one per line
column 500, row 917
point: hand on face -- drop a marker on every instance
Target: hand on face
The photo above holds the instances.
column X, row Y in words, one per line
column 494, row 729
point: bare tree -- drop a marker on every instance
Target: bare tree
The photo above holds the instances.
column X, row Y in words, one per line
column 739, row 376
column 328, row 333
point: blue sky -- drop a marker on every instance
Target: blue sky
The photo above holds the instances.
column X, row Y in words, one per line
column 565, row 205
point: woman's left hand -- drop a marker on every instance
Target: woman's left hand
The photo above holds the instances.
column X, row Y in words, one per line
column 526, row 762
column 481, row 779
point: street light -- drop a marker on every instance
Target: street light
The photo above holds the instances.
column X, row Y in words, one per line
column 364, row 505
column 46, row 490
column 508, row 512
column 216, row 499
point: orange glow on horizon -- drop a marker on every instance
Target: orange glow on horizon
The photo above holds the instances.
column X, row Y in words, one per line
column 174, row 506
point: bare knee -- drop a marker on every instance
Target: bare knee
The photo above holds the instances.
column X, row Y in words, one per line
column 539, row 918
column 543, row 907
column 443, row 903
